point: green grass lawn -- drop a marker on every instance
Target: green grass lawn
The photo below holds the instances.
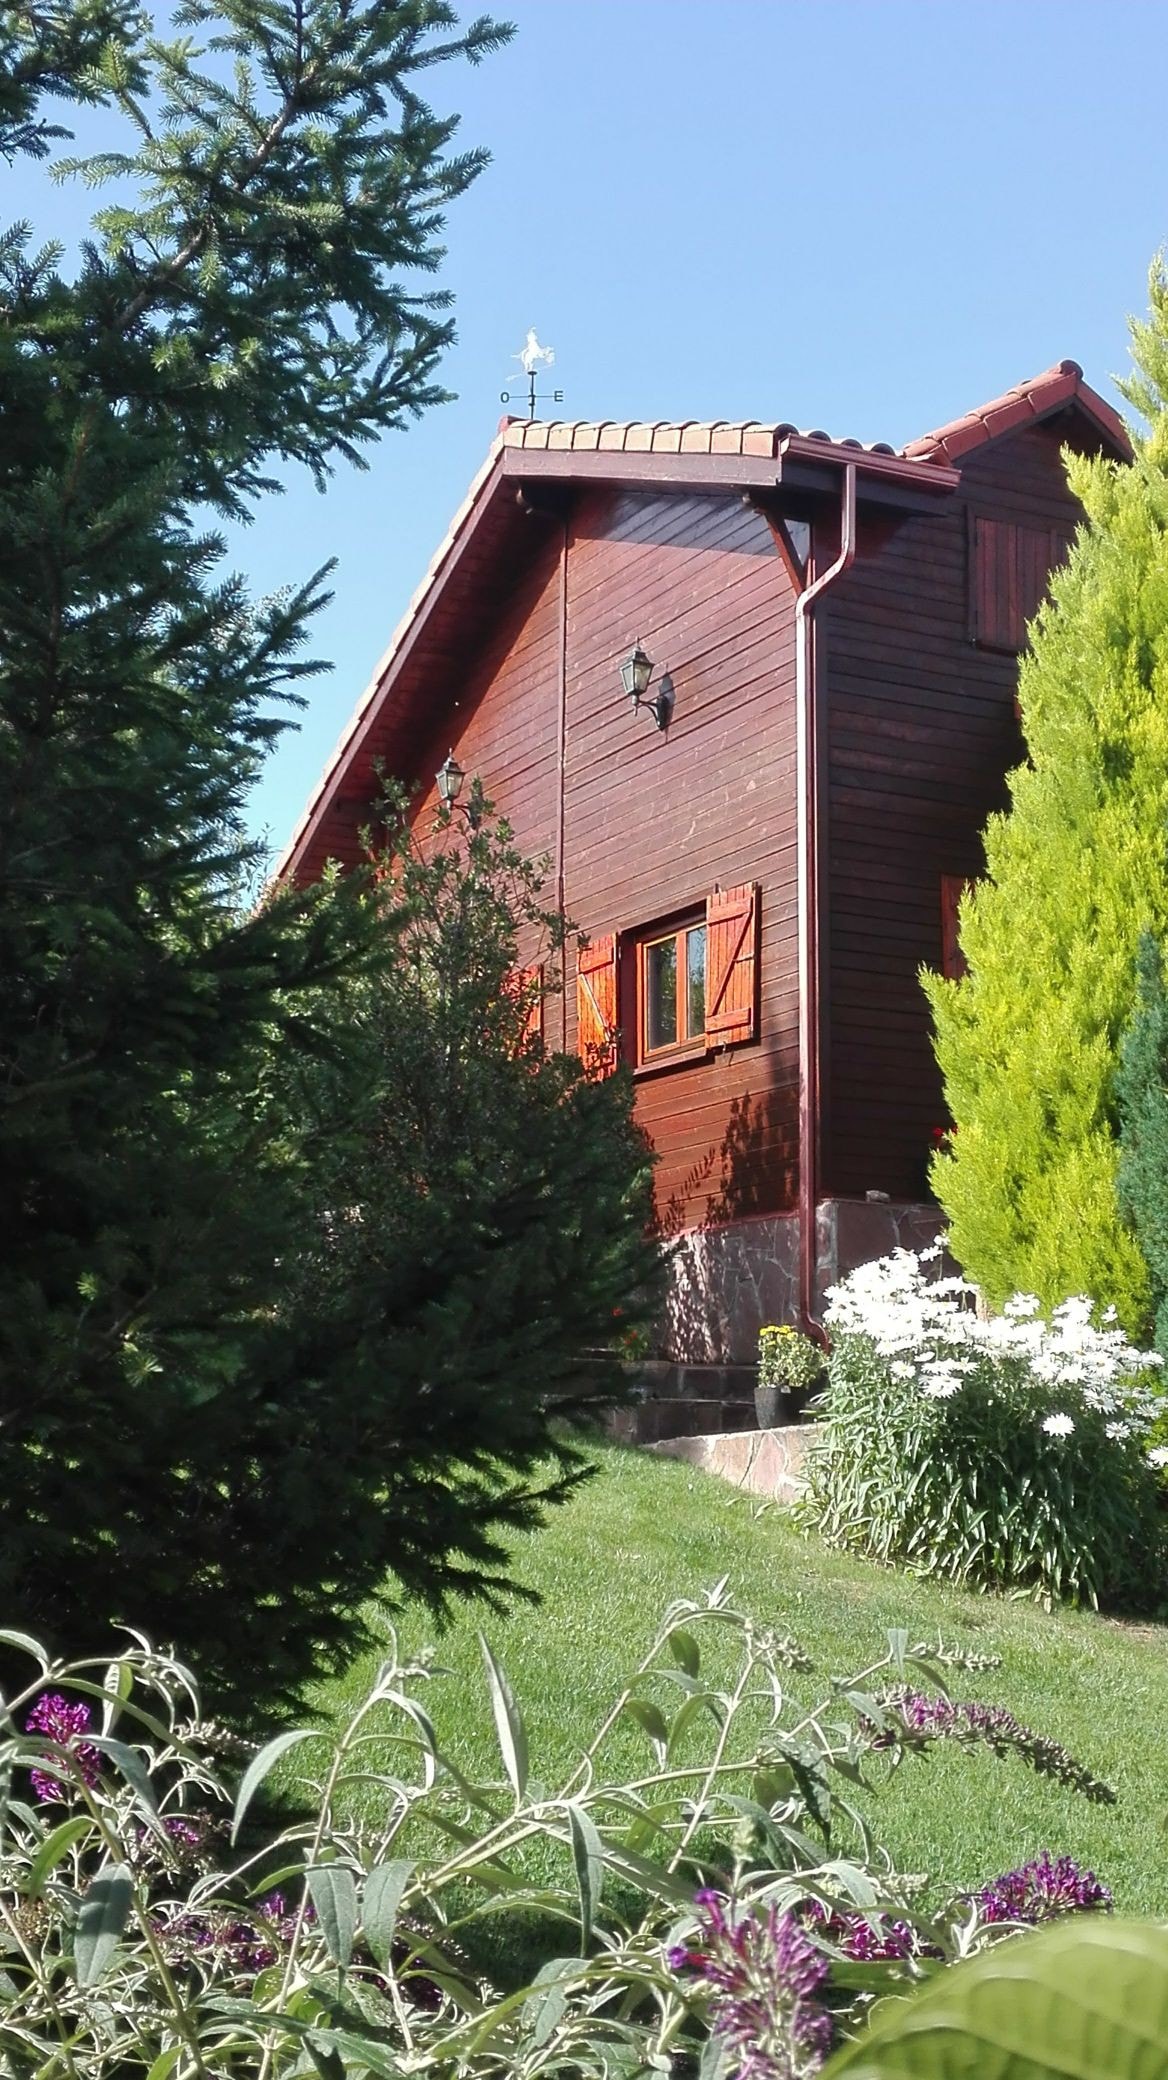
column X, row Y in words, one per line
column 646, row 1530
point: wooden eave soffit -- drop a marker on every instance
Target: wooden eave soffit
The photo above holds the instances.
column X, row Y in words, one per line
column 883, row 480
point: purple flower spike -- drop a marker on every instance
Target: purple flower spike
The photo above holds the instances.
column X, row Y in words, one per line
column 917, row 1718
column 765, row 1974
column 62, row 1723
column 1044, row 1890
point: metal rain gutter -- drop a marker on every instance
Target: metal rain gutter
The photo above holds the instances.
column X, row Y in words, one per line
column 807, row 791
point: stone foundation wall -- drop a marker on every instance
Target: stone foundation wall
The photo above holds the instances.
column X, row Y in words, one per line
column 760, row 1462
column 727, row 1281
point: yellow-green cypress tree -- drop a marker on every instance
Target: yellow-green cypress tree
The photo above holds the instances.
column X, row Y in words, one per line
column 1077, row 870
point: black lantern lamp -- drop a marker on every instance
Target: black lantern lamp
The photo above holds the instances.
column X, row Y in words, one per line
column 449, row 779
column 636, row 673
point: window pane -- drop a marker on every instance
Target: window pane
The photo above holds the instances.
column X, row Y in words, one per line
column 695, row 962
column 661, row 992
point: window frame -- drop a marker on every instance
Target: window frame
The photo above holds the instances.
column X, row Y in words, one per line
column 694, row 1046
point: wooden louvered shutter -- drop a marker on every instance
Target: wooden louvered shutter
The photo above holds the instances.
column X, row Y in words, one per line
column 528, row 983
column 596, row 1006
column 731, row 965
column 953, row 887
column 1010, row 568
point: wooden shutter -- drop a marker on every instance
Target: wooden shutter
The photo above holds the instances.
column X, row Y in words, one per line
column 528, row 982
column 731, row 965
column 1010, row 568
column 596, row 1006
column 953, row 963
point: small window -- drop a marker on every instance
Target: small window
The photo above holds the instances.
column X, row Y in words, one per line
column 675, row 993
column 1010, row 569
column 672, row 990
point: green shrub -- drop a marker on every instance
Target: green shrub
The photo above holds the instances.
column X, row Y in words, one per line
column 1006, row 1453
column 1142, row 1097
column 1028, row 1041
column 152, row 1926
column 450, row 1240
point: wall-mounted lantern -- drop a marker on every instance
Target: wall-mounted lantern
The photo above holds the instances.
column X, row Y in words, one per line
column 636, row 674
column 448, row 780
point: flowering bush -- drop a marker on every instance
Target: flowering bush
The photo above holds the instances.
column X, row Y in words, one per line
column 730, row 1896
column 1007, row 1452
column 788, row 1359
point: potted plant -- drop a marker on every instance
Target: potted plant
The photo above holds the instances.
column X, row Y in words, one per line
column 789, row 1366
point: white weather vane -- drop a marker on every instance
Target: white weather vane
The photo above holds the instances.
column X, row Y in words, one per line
column 530, row 358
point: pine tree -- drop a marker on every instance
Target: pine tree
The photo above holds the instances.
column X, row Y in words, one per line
column 180, row 1448
column 1077, row 871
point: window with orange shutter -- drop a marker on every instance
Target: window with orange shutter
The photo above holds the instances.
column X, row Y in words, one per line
column 696, row 979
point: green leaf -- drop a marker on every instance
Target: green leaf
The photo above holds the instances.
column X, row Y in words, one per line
column 897, row 1648
column 694, row 1707
column 588, row 1857
column 103, row 1915
column 684, row 1649
column 52, row 1849
column 381, row 1897
column 136, row 1775
column 26, row 1646
column 332, row 1889
column 773, row 1781
column 258, row 1768
column 650, row 1877
column 650, row 1717
column 353, row 2053
column 547, row 2002
column 714, row 2058
column 1084, row 2001
column 508, row 1722
column 165, row 2063
column 325, row 2056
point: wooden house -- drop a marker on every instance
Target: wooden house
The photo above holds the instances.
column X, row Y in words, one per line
column 829, row 632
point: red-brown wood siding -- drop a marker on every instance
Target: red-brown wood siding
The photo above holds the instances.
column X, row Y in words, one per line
column 653, row 821
column 921, row 732
column 500, row 720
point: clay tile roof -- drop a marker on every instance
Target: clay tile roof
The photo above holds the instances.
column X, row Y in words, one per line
column 1027, row 402
column 669, row 437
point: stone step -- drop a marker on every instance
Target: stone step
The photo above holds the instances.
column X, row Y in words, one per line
column 660, row 1380
column 644, row 1422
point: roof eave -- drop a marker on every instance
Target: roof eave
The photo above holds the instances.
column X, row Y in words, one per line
column 406, row 635
column 802, row 463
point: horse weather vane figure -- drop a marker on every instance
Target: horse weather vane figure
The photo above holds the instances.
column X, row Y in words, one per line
column 529, row 359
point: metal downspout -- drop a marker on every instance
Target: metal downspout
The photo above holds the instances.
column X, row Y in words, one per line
column 807, row 787
column 561, row 770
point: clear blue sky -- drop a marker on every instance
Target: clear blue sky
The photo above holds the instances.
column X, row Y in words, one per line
column 861, row 215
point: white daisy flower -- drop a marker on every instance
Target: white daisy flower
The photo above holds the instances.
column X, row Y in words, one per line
column 1059, row 1425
